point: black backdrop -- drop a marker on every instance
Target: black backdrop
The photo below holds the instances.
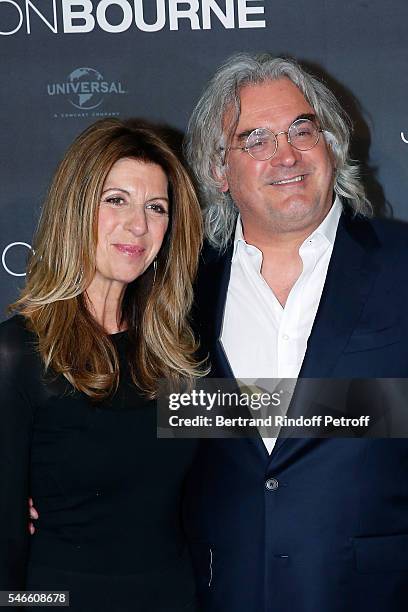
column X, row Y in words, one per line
column 64, row 63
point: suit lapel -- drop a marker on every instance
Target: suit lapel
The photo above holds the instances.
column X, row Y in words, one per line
column 211, row 291
column 350, row 277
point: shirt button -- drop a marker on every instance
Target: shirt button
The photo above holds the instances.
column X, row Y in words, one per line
column 272, row 484
column 285, row 337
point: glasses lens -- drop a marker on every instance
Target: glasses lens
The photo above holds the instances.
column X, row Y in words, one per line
column 303, row 134
column 261, row 144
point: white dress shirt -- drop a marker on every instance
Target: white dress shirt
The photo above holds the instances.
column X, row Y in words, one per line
column 261, row 338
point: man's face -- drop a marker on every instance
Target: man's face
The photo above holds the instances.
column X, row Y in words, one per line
column 266, row 203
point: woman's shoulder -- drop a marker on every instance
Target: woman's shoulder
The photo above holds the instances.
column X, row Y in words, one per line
column 17, row 343
column 15, row 330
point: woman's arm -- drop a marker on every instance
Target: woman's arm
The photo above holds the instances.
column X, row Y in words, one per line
column 16, row 417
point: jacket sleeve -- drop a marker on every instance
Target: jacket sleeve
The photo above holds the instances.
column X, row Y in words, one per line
column 16, row 417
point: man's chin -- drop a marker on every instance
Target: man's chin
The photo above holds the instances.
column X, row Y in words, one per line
column 298, row 215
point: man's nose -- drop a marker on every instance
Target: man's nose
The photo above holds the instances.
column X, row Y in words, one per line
column 286, row 155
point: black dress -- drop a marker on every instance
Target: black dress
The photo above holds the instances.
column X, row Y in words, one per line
column 107, row 490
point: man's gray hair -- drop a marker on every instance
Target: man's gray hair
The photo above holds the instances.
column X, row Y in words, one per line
column 208, row 135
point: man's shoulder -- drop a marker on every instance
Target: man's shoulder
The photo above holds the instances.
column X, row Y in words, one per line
column 378, row 232
column 391, row 229
column 210, row 254
column 214, row 261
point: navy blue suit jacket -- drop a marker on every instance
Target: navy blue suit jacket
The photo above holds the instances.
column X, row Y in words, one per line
column 332, row 536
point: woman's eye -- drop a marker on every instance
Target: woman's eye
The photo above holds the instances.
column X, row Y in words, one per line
column 115, row 200
column 157, row 208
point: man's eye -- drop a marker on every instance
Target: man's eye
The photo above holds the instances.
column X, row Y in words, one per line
column 304, row 132
column 257, row 144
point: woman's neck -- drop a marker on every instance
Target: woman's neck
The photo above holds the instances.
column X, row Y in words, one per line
column 104, row 299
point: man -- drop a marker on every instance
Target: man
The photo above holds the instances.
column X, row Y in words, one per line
column 297, row 281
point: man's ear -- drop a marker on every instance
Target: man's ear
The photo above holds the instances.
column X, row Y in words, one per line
column 332, row 146
column 220, row 176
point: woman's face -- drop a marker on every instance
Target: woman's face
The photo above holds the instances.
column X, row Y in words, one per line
column 132, row 221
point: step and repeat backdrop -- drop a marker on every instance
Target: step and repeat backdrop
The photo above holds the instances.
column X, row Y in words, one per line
column 66, row 63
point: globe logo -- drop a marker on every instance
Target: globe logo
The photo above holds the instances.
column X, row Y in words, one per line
column 85, row 86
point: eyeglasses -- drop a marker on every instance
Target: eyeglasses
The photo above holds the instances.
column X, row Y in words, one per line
column 262, row 144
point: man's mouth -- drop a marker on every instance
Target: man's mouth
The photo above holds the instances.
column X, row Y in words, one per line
column 295, row 179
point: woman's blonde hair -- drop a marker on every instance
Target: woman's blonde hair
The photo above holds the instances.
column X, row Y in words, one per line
column 154, row 307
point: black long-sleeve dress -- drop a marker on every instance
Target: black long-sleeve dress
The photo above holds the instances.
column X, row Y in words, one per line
column 107, row 490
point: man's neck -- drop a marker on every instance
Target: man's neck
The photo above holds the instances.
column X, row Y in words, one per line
column 286, row 234
column 281, row 262
column 275, row 244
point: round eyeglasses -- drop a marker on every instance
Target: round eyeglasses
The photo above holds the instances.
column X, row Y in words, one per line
column 262, row 144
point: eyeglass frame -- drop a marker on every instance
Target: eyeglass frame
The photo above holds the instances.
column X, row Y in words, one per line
column 275, row 135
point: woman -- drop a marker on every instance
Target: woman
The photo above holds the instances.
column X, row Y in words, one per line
column 102, row 318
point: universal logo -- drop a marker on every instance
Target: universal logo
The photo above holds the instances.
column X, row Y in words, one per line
column 85, row 90
column 404, row 137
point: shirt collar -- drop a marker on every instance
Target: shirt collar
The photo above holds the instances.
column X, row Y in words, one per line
column 239, row 236
column 327, row 229
column 328, row 226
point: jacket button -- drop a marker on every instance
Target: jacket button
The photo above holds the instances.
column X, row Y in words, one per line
column 272, row 484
